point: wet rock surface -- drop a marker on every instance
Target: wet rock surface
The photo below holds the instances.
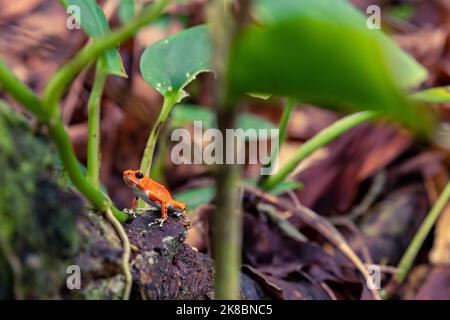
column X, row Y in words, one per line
column 163, row 266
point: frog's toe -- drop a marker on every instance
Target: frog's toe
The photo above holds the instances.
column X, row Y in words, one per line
column 159, row 221
column 178, row 213
column 130, row 212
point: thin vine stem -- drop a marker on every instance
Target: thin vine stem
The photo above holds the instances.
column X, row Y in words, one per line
column 94, row 107
column 109, row 215
column 284, row 121
column 414, row 247
column 323, row 138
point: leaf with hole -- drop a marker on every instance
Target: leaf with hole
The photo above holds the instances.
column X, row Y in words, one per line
column 170, row 64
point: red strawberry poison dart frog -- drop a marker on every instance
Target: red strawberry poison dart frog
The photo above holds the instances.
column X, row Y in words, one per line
column 152, row 193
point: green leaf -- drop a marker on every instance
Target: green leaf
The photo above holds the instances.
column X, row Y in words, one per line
column 94, row 23
column 403, row 11
column 173, row 62
column 263, row 96
column 286, row 185
column 339, row 13
column 433, row 95
column 281, row 188
column 126, row 11
column 250, row 121
column 196, row 197
column 163, row 22
column 184, row 114
column 321, row 52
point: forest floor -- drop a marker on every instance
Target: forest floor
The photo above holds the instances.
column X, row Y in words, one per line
column 375, row 184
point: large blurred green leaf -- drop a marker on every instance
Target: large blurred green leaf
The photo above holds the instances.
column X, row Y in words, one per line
column 184, row 114
column 173, row 62
column 406, row 71
column 321, row 52
column 94, row 23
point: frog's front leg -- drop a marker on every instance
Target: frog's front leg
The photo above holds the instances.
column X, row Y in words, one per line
column 132, row 210
column 160, row 221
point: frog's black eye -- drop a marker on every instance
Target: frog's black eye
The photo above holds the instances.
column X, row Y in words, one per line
column 139, row 175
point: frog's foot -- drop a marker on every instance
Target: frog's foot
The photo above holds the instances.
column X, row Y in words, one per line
column 130, row 212
column 182, row 215
column 159, row 221
column 134, row 213
column 178, row 213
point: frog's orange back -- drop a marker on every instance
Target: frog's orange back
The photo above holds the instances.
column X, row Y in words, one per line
column 153, row 186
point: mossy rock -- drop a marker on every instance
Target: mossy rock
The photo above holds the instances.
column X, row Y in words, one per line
column 44, row 226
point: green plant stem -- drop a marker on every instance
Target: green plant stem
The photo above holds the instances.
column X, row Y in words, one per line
column 159, row 160
column 67, row 155
column 147, row 157
column 323, row 138
column 227, row 220
column 21, row 93
column 62, row 141
column 55, row 87
column 282, row 126
column 413, row 249
column 94, row 107
column 227, row 233
column 47, row 110
column 284, row 121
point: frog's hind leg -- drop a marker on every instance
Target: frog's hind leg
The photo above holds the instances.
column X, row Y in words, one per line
column 163, row 211
column 178, row 208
